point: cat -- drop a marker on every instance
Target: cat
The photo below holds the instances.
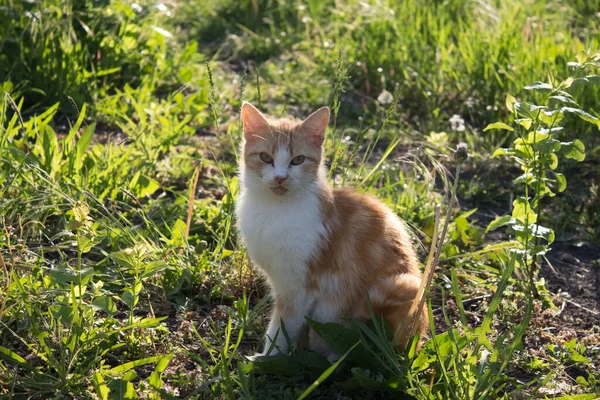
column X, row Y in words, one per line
column 322, row 250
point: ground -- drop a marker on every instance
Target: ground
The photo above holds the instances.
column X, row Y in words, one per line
column 107, row 291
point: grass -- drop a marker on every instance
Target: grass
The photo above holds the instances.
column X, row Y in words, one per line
column 122, row 275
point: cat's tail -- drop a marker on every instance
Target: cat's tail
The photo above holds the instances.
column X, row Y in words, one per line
column 392, row 298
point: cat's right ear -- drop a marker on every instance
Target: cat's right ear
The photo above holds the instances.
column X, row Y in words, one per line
column 254, row 122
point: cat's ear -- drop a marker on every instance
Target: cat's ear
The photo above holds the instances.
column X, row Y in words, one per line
column 315, row 125
column 254, row 122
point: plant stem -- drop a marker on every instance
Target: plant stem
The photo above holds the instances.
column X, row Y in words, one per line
column 431, row 265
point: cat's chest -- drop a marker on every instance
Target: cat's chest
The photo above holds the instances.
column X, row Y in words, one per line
column 283, row 235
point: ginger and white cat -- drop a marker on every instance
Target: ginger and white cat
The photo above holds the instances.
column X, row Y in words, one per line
column 322, row 250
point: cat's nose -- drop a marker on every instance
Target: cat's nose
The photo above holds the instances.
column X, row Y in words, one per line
column 280, row 179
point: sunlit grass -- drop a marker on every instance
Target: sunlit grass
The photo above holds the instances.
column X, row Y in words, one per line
column 105, row 111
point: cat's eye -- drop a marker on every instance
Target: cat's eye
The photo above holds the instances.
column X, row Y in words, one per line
column 266, row 158
column 298, row 160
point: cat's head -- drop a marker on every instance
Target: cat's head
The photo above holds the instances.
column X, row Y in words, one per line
column 282, row 156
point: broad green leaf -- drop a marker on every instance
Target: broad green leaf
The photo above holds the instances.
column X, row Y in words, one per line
column 326, row 374
column 280, row 364
column 226, row 253
column 524, row 122
column 86, row 241
column 503, row 152
column 153, row 268
column 551, row 160
column 578, row 358
column 338, row 337
column 566, row 83
column 145, row 186
column 130, row 375
column 83, row 144
column 422, row 361
column 574, row 150
column 147, row 323
column 571, row 344
column 522, row 211
column 310, row 360
column 162, row 364
column 178, row 233
column 551, row 118
column 499, row 222
column 535, row 230
column 524, row 178
column 462, row 227
column 155, row 380
column 498, row 125
column 561, row 180
column 582, row 57
column 129, row 298
column 510, row 102
column 105, row 303
column 125, row 258
column 589, row 80
column 532, row 137
column 102, row 390
column 543, row 232
column 564, row 99
column 527, row 109
column 547, row 146
column 539, row 86
column 583, row 115
column 121, row 390
column 68, row 274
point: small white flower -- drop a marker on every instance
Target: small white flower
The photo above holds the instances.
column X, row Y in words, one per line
column 136, row 7
column 385, row 97
column 457, row 123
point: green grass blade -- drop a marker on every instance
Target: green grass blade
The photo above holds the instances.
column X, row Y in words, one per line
column 326, row 374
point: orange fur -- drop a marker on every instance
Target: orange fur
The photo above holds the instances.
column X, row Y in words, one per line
column 361, row 247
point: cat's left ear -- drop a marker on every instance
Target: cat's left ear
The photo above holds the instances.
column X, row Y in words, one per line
column 315, row 125
column 254, row 122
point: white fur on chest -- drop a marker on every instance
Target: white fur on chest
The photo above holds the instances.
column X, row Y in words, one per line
column 281, row 236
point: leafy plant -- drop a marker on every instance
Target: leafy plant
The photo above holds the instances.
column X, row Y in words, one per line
column 536, row 151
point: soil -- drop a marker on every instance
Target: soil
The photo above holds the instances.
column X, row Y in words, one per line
column 573, row 273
